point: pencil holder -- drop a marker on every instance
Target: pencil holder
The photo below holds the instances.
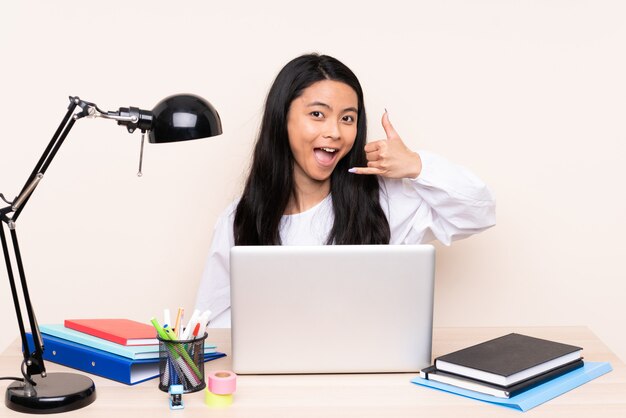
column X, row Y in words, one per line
column 182, row 363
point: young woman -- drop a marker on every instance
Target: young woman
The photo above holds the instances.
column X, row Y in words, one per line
column 315, row 181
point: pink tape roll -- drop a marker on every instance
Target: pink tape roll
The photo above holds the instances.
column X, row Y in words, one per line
column 222, row 382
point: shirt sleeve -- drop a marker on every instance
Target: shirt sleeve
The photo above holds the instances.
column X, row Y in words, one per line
column 445, row 202
column 214, row 291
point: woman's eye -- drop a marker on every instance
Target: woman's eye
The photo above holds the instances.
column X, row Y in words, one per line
column 317, row 114
column 348, row 118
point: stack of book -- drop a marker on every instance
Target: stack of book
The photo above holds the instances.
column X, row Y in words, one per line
column 506, row 366
column 119, row 349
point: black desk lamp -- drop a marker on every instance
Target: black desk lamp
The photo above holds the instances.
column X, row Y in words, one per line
column 176, row 118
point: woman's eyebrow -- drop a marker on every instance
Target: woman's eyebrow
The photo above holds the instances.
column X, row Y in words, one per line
column 318, row 103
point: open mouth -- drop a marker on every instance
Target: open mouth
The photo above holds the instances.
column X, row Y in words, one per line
column 325, row 156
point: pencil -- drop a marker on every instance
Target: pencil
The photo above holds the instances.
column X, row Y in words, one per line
column 179, row 318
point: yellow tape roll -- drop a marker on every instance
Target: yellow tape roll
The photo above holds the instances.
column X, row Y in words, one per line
column 217, row 401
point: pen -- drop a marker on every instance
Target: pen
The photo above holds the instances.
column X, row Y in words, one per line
column 190, row 325
column 167, row 319
column 198, row 348
column 203, row 321
column 167, row 375
column 196, row 330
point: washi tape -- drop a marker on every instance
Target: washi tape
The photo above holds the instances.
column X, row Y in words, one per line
column 222, row 382
column 217, row 401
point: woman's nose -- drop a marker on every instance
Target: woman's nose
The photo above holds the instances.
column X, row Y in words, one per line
column 331, row 130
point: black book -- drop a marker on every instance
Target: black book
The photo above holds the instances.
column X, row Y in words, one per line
column 432, row 373
column 508, row 360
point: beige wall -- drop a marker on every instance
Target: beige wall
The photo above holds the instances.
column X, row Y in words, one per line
column 529, row 95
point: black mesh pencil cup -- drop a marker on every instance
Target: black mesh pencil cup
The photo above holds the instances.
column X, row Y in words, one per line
column 181, row 362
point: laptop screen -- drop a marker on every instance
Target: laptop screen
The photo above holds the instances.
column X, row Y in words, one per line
column 332, row 309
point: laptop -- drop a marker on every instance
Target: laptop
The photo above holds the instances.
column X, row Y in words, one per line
column 332, row 308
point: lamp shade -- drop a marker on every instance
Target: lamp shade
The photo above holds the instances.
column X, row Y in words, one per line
column 182, row 117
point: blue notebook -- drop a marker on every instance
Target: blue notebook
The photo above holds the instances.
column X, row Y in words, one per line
column 102, row 363
column 532, row 397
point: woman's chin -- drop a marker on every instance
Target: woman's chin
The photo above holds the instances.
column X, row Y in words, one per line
column 323, row 174
column 318, row 172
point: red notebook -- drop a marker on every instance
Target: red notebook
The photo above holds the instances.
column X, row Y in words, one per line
column 120, row 331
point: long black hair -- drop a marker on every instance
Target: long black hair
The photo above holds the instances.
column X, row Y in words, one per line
column 359, row 218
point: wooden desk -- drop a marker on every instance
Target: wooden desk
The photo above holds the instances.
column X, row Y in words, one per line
column 365, row 395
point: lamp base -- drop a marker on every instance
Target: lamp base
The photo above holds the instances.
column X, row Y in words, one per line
column 57, row 392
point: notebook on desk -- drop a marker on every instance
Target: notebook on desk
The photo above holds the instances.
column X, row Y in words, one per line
column 331, row 309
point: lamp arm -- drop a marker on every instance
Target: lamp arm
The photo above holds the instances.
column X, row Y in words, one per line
column 44, row 160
